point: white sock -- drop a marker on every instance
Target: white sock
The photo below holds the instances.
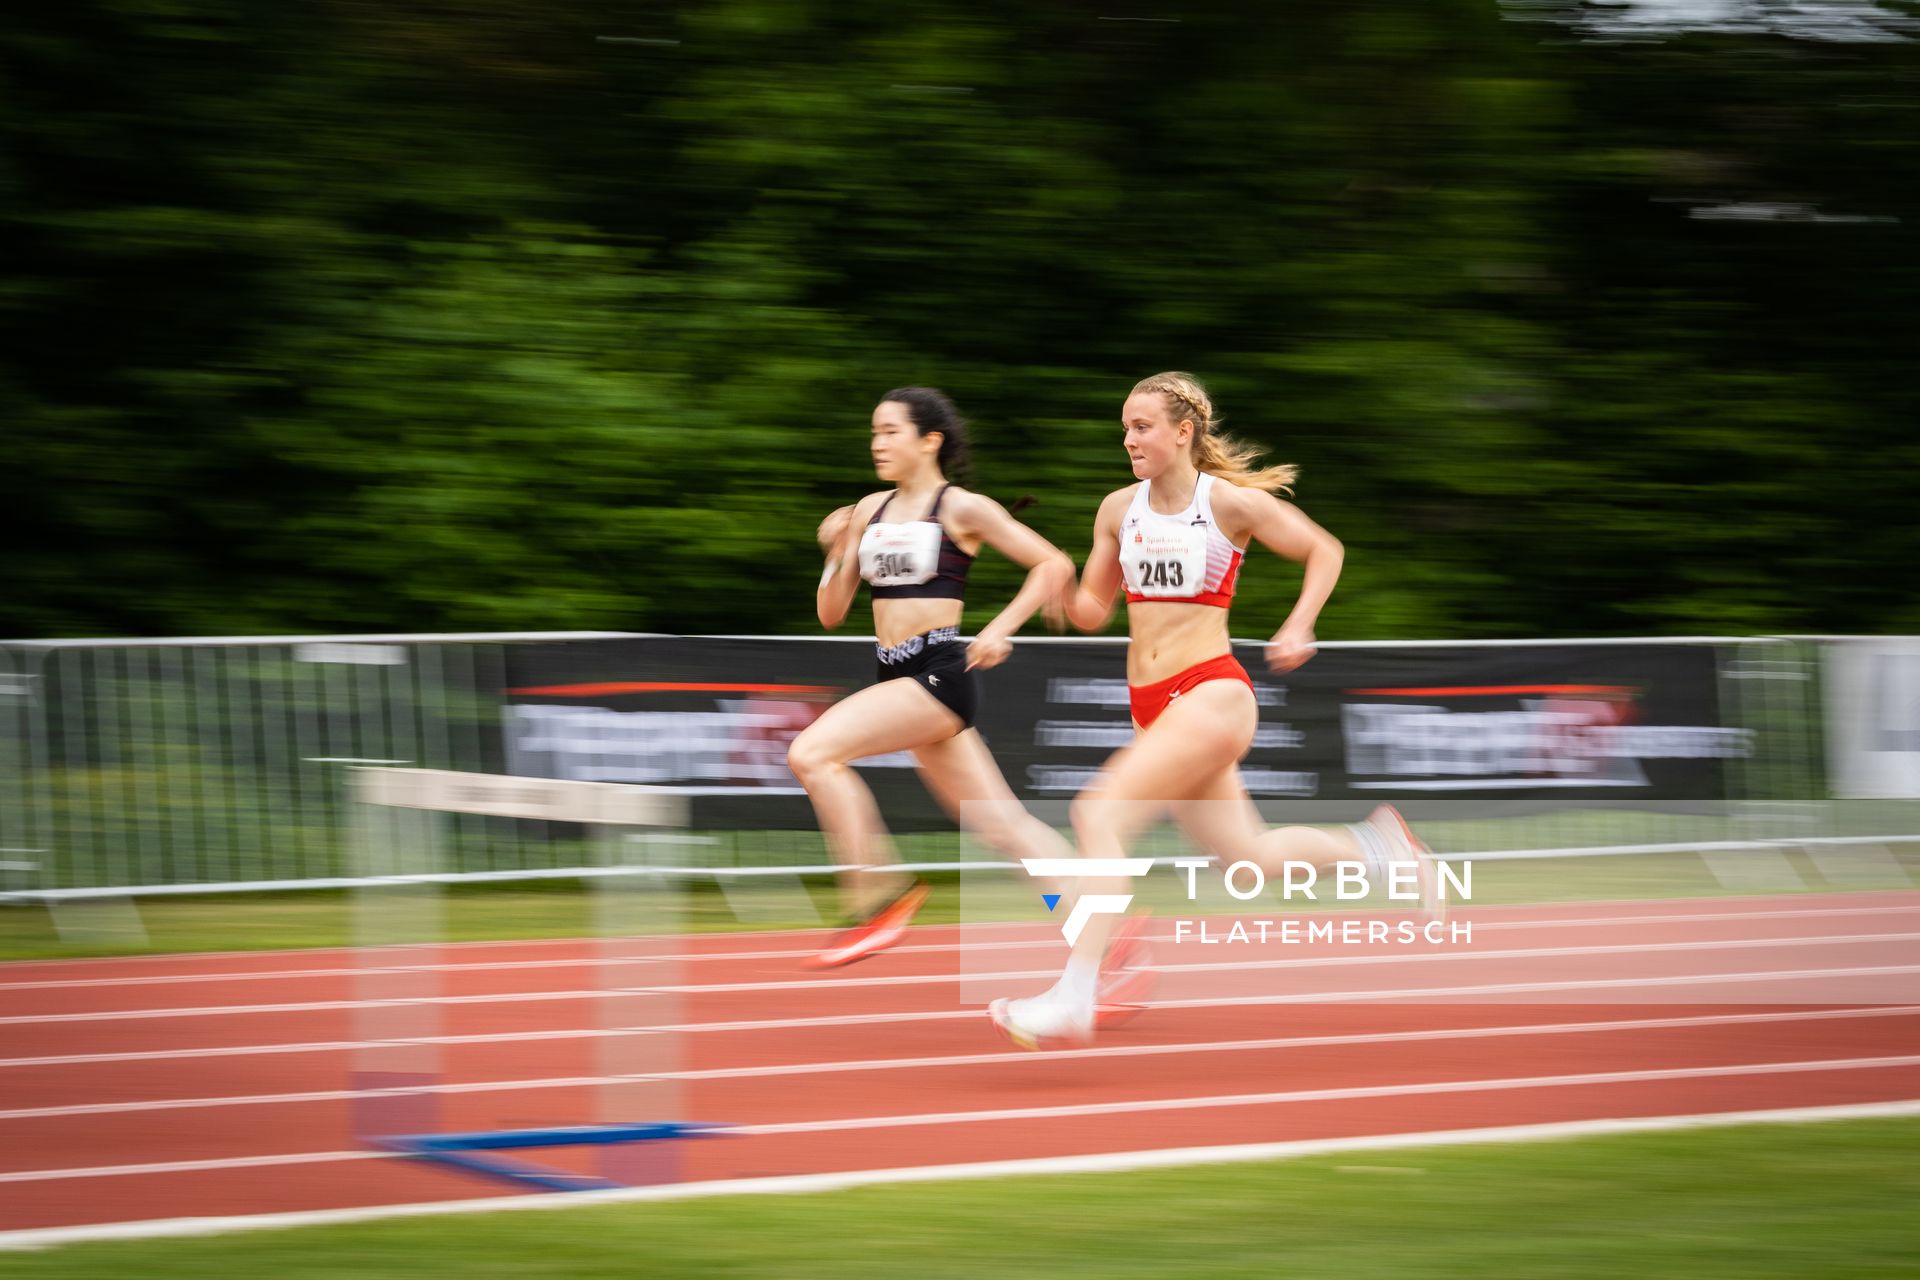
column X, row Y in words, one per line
column 1079, row 981
column 1374, row 854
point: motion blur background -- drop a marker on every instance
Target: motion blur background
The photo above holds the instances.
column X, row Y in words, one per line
column 350, row 325
column 1582, row 319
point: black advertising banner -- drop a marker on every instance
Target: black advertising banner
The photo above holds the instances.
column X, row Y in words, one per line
column 712, row 715
column 1566, row 722
column 1573, row 721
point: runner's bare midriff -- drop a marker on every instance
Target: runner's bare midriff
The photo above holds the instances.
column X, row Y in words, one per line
column 897, row 621
column 1168, row 638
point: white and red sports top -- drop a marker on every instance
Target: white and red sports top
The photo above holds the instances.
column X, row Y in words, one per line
column 1182, row 559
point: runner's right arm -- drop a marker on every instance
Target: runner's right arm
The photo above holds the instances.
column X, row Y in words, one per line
column 1092, row 605
column 840, row 580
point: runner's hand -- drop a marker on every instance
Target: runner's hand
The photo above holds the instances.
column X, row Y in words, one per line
column 988, row 650
column 833, row 528
column 1290, row 647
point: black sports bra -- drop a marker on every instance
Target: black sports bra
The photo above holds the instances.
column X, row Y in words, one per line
column 913, row 561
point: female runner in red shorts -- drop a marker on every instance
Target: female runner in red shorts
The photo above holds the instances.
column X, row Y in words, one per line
column 1175, row 540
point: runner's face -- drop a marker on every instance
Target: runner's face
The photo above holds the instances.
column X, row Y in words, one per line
column 1153, row 440
column 897, row 445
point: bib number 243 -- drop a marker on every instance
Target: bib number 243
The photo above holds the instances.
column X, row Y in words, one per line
column 1162, row 573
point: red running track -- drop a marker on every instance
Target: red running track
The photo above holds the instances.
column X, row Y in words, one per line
column 219, row 1085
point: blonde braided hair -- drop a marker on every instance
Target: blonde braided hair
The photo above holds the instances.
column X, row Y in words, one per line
column 1216, row 454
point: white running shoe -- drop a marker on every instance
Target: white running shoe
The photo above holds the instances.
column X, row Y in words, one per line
column 1404, row 846
column 1042, row 1022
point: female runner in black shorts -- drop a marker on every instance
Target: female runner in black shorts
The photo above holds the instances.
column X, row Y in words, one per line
column 913, row 545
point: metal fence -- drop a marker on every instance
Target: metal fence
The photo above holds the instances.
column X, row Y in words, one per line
column 173, row 763
column 177, row 762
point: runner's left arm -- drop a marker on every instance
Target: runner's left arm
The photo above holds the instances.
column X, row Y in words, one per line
column 1049, row 574
column 1285, row 530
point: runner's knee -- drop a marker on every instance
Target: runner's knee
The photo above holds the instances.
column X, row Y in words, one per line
column 809, row 760
column 1096, row 814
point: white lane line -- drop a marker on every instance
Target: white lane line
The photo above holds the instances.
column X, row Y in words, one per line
column 1629, row 994
column 951, row 979
column 797, row 1184
column 1306, row 962
column 306, row 1006
column 1394, row 1090
column 587, row 1033
column 309, row 1046
column 1502, row 1031
column 1048, row 942
column 933, row 1119
column 1819, row 904
column 191, row 1166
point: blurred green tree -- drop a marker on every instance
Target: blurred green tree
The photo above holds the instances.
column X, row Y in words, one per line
column 423, row 315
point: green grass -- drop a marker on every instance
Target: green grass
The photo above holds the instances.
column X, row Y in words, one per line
column 257, row 922
column 1828, row 1200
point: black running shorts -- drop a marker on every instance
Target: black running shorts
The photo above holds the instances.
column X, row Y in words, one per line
column 937, row 662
